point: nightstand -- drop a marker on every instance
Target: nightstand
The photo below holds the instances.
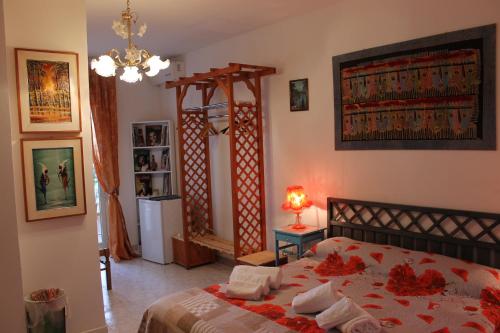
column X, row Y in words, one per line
column 296, row 237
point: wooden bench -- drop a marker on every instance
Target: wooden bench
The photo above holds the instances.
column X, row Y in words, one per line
column 263, row 258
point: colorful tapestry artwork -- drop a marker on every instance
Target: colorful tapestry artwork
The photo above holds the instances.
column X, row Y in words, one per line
column 432, row 93
column 424, row 96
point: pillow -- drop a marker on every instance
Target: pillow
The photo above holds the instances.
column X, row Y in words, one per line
column 411, row 273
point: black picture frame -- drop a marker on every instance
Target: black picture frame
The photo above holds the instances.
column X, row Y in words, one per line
column 484, row 35
column 299, row 95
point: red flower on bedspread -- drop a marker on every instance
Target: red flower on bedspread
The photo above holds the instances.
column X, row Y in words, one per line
column 270, row 311
column 334, row 265
column 404, row 282
column 490, row 303
column 300, row 324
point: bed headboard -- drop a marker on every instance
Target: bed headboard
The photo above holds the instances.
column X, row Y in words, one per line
column 461, row 234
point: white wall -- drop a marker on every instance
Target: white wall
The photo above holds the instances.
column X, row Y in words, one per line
column 11, row 306
column 136, row 102
column 60, row 252
column 300, row 146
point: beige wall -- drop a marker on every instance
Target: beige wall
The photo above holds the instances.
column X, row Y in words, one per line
column 61, row 252
column 300, row 146
column 11, row 306
column 136, row 102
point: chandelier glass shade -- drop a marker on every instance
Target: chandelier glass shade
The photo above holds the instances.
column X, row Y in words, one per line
column 135, row 61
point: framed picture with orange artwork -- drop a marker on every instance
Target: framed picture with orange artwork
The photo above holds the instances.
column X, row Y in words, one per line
column 48, row 91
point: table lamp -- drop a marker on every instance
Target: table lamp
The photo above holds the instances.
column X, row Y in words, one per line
column 296, row 201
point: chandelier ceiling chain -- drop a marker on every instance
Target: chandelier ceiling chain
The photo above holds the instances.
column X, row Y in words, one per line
column 135, row 61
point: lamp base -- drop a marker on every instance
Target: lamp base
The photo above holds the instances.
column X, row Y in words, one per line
column 298, row 225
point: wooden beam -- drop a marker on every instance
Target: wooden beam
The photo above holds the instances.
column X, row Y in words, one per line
column 233, row 68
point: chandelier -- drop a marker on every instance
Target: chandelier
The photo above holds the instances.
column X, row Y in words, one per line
column 136, row 61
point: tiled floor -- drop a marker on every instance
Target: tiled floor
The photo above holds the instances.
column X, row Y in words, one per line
column 138, row 283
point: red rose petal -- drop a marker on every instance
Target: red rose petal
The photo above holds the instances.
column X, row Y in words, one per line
column 387, row 247
column 427, row 261
column 374, row 296
column 470, row 308
column 392, row 320
column 270, row 311
column 442, row 330
column 290, row 285
column 308, row 267
column 494, row 273
column 462, row 273
column 377, row 256
column 377, row 284
column 323, row 280
column 337, row 240
column 403, row 302
column 300, row 276
column 352, row 248
column 372, row 306
column 314, row 248
column 432, row 306
column 346, row 283
column 473, row 324
column 428, row 319
column 406, row 252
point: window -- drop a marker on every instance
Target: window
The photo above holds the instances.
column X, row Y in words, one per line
column 101, row 205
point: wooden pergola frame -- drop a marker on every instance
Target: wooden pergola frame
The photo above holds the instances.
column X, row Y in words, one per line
column 247, row 162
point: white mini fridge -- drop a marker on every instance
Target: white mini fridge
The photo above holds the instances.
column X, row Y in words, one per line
column 160, row 220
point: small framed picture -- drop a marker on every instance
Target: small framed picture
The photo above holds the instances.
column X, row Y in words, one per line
column 154, row 135
column 48, row 91
column 299, row 95
column 141, row 160
column 53, row 178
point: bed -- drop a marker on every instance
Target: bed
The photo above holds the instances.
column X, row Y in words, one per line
column 415, row 269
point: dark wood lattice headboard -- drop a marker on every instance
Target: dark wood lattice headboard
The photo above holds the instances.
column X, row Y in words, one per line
column 461, row 234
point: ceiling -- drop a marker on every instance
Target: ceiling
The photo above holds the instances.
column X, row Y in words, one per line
column 179, row 26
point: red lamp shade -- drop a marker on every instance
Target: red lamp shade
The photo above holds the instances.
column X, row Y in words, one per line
column 296, row 199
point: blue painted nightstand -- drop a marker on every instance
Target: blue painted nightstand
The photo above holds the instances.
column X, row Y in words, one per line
column 296, row 237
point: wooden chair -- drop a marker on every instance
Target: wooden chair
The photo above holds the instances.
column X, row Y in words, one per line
column 106, row 266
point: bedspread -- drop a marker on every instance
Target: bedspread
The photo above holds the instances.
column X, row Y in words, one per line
column 424, row 305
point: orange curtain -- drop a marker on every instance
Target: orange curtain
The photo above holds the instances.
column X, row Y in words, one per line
column 105, row 153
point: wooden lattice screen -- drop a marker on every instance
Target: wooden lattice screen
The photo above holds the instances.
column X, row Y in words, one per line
column 247, row 179
column 246, row 152
column 195, row 173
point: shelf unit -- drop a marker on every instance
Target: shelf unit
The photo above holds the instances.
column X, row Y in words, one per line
column 153, row 158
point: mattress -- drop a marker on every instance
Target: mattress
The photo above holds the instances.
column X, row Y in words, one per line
column 407, row 291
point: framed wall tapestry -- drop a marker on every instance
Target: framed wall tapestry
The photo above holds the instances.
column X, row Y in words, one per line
column 48, row 91
column 299, row 95
column 436, row 92
column 53, row 178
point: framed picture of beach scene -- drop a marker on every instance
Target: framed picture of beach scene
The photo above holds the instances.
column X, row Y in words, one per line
column 53, row 178
column 48, row 91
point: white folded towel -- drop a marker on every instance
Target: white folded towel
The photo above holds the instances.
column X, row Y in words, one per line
column 275, row 274
column 252, row 278
column 340, row 312
column 316, row 299
column 348, row 317
column 244, row 290
column 364, row 323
